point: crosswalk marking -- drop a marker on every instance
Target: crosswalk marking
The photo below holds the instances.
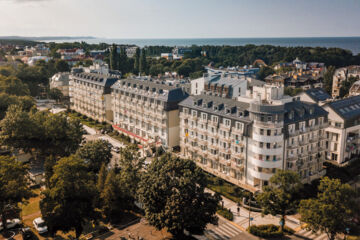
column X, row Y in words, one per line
column 223, row 232
column 231, row 229
column 310, row 235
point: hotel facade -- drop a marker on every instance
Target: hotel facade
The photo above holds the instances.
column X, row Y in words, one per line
column 245, row 141
column 147, row 111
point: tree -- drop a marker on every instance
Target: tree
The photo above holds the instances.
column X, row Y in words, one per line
column 62, row 66
column 101, row 178
column 112, row 196
column 13, row 86
column 123, row 61
column 346, row 85
column 265, row 71
column 143, row 64
column 14, row 185
column 333, row 209
column 69, row 201
column 280, row 195
column 173, row 196
column 113, row 57
column 130, row 171
column 40, row 132
column 328, row 79
column 137, row 61
column 95, row 153
column 55, row 94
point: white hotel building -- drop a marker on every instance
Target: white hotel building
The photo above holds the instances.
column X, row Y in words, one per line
column 247, row 140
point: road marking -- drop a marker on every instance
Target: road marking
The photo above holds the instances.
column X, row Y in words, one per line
column 214, row 235
column 232, row 230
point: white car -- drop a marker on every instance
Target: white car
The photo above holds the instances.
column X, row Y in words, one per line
column 10, row 223
column 40, row 225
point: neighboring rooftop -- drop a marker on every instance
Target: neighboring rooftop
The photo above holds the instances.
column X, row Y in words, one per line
column 99, row 79
column 224, row 107
column 347, row 108
column 297, row 111
column 317, row 94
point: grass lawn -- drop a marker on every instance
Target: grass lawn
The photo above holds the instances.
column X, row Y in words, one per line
column 86, row 121
column 224, row 188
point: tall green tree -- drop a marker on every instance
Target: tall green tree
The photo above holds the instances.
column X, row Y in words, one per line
column 40, row 132
column 333, row 209
column 265, row 71
column 69, row 201
column 123, row 61
column 55, row 94
column 143, row 63
column 328, row 79
column 113, row 57
column 112, row 196
column 13, row 86
column 130, row 171
column 14, row 185
column 137, row 61
column 173, row 196
column 280, row 195
column 62, row 66
column 95, row 154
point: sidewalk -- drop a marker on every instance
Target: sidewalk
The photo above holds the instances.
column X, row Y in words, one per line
column 242, row 220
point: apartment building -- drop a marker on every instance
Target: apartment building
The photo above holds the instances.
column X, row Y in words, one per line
column 147, row 111
column 341, row 75
column 60, row 81
column 343, row 131
column 90, row 94
column 223, row 85
column 245, row 141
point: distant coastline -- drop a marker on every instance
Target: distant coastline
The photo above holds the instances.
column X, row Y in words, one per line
column 349, row 43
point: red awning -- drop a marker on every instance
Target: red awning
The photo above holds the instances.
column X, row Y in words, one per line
column 130, row 133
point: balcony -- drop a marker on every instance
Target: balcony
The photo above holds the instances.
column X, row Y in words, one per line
column 260, row 175
column 266, row 164
column 263, row 138
column 266, row 151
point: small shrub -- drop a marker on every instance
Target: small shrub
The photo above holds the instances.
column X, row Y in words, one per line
column 266, row 231
column 103, row 123
column 226, row 213
column 218, row 181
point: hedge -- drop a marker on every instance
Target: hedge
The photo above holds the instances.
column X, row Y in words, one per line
column 268, row 231
column 226, row 213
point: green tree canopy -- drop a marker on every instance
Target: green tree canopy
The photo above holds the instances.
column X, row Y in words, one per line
column 13, row 86
column 95, row 154
column 280, row 195
column 55, row 94
column 333, row 209
column 69, row 202
column 265, row 71
column 44, row 132
column 328, row 79
column 14, row 185
column 172, row 193
column 62, row 66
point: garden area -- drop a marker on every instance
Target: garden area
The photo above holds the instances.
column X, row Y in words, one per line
column 89, row 121
column 269, row 231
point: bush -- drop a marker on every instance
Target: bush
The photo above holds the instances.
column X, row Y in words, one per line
column 226, row 213
column 268, row 231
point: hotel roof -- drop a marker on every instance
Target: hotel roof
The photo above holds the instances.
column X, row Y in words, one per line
column 317, row 94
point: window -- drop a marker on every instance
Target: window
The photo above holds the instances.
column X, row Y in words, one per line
column 239, row 126
column 261, row 131
column 215, row 119
column 268, row 132
column 204, row 116
column 227, row 122
column 194, row 113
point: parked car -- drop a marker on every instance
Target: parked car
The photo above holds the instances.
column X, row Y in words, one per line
column 40, row 225
column 27, row 234
column 116, row 149
column 10, row 223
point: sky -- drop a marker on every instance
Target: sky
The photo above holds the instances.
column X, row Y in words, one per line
column 180, row 18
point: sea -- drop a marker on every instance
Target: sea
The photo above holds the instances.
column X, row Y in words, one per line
column 349, row 43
